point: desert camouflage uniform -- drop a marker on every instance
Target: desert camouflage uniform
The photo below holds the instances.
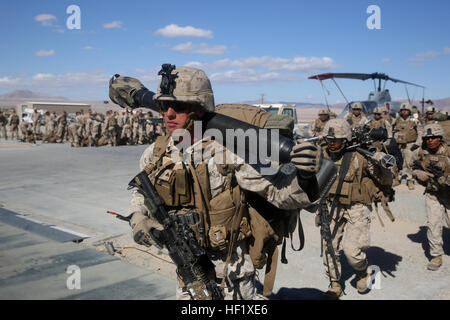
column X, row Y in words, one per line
column 381, row 123
column 127, row 132
column 50, row 126
column 407, row 133
column 13, row 123
column 353, row 221
column 61, row 130
column 359, row 120
column 36, row 117
column 3, row 122
column 111, row 129
column 220, row 171
column 437, row 193
column 350, row 225
column 356, row 121
column 416, row 114
column 285, row 194
column 317, row 125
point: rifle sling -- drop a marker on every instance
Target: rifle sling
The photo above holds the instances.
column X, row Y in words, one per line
column 301, row 236
column 342, row 173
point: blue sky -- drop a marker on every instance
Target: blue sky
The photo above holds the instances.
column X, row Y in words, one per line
column 247, row 48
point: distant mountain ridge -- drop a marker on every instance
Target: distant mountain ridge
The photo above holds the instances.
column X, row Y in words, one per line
column 28, row 94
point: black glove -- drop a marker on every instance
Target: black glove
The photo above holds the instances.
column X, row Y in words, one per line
column 145, row 230
column 414, row 147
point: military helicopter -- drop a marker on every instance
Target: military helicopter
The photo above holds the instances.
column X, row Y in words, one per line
column 376, row 98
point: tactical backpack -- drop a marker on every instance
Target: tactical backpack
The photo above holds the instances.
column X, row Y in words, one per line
column 270, row 226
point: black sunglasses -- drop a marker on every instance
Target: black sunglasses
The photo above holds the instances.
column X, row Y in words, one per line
column 176, row 106
column 331, row 140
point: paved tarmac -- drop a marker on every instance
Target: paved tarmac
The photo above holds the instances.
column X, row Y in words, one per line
column 70, row 190
column 38, row 268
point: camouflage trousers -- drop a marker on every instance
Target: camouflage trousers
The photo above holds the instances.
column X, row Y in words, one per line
column 61, row 133
column 73, row 134
column 437, row 217
column 37, row 128
column 13, row 132
column 407, row 158
column 126, row 132
column 3, row 132
column 352, row 236
column 240, row 276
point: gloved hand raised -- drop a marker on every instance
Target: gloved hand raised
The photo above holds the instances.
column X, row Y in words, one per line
column 305, row 156
column 423, row 176
column 122, row 90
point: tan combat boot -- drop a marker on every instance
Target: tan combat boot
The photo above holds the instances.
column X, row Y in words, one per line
column 435, row 263
column 334, row 291
column 396, row 182
column 411, row 185
column 362, row 278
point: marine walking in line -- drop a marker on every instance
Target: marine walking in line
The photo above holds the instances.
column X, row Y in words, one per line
column 431, row 168
column 349, row 203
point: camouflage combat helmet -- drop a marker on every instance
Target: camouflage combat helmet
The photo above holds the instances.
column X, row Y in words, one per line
column 405, row 106
column 188, row 85
column 383, row 109
column 356, row 106
column 323, row 111
column 433, row 130
column 430, row 109
column 338, row 129
column 377, row 110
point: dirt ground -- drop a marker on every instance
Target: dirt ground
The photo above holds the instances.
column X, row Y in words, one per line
column 398, row 249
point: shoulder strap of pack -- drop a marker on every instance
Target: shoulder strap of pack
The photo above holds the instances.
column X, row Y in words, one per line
column 160, row 147
column 158, row 152
column 241, row 207
column 342, row 173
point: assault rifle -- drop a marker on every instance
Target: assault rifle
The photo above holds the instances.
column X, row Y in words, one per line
column 324, row 216
column 362, row 142
column 193, row 264
column 434, row 169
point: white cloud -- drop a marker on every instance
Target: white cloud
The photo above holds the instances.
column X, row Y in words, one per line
column 84, row 78
column 447, row 50
column 201, row 48
column 296, row 64
column 82, row 85
column 43, row 76
column 205, row 49
column 249, row 77
column 423, row 56
column 184, row 47
column 45, row 19
column 88, row 48
column 45, row 53
column 9, row 81
column 112, row 25
column 386, row 60
column 428, row 54
column 174, row 30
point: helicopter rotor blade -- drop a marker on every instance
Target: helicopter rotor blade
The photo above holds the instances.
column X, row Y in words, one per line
column 360, row 76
